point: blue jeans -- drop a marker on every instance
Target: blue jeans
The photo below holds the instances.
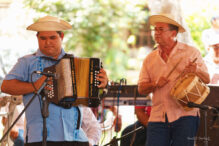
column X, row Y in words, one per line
column 59, row 143
column 181, row 132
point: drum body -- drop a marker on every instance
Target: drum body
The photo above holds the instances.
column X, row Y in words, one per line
column 189, row 88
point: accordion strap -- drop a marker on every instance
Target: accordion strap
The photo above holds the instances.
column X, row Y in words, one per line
column 68, row 55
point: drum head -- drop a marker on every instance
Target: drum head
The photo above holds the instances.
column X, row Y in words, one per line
column 190, row 89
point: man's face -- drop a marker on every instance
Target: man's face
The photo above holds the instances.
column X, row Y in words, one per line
column 50, row 43
column 162, row 33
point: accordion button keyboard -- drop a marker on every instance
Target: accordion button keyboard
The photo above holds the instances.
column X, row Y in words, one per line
column 51, row 91
column 96, row 83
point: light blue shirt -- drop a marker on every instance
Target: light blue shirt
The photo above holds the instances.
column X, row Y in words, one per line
column 61, row 123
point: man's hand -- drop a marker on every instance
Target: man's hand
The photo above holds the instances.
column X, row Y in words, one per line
column 190, row 68
column 39, row 82
column 102, row 77
column 13, row 134
column 117, row 123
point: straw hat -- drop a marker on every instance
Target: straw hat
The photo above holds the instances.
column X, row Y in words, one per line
column 49, row 23
column 165, row 18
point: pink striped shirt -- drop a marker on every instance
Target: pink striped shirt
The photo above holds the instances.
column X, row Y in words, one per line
column 154, row 67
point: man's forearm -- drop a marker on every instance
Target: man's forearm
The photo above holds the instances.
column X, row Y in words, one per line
column 16, row 87
column 146, row 88
column 204, row 76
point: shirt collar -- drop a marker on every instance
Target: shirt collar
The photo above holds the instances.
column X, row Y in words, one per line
column 40, row 54
column 177, row 47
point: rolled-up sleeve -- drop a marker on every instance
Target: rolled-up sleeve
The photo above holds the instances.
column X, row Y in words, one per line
column 202, row 69
column 143, row 76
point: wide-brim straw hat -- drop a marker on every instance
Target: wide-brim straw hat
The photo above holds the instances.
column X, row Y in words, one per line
column 165, row 18
column 49, row 23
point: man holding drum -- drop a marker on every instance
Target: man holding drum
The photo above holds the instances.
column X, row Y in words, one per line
column 63, row 124
column 169, row 123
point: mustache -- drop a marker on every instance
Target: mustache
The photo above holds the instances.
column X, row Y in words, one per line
column 49, row 46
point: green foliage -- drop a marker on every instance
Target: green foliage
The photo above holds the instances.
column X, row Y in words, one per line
column 100, row 27
column 197, row 23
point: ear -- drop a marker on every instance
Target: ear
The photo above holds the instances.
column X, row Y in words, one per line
column 175, row 33
column 62, row 35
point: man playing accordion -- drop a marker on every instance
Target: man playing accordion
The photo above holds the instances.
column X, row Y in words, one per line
column 63, row 124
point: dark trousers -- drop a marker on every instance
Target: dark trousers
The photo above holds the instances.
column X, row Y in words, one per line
column 49, row 143
column 181, row 132
column 135, row 139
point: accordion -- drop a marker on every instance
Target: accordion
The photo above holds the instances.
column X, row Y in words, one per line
column 75, row 82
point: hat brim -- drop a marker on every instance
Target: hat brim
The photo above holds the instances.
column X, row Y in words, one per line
column 49, row 26
column 160, row 18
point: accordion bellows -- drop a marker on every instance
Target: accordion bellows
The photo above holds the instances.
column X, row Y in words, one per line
column 75, row 79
